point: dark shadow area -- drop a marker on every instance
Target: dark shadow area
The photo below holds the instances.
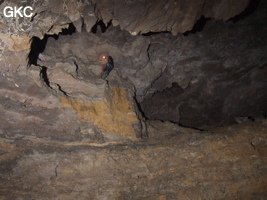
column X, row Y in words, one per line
column 194, row 128
column 61, row 90
column 44, row 76
column 154, row 33
column 198, row 27
column 68, row 31
column 175, row 90
column 263, row 66
column 102, row 26
column 253, row 5
column 38, row 45
column 140, row 109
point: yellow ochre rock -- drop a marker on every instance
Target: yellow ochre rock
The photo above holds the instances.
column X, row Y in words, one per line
column 113, row 115
column 16, row 43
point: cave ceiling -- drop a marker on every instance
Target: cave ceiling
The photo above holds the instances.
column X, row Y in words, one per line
column 134, row 16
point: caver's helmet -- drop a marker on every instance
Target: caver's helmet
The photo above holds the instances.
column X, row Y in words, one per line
column 103, row 58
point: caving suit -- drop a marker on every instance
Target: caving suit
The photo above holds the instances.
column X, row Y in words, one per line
column 107, row 69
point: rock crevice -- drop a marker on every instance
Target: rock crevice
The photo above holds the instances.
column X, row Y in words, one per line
column 63, row 127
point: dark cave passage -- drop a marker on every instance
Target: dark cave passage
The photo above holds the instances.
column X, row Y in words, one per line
column 100, row 24
column 38, row 45
column 198, row 27
column 192, row 107
column 253, row 5
column 221, row 82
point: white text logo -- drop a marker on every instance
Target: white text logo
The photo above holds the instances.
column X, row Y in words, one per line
column 21, row 11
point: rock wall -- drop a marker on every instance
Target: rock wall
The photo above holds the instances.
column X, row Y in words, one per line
column 114, row 115
column 193, row 68
column 207, row 79
column 196, row 80
column 228, row 164
column 67, row 134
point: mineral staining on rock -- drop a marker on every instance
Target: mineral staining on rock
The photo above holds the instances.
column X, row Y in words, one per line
column 67, row 134
column 16, row 43
column 113, row 115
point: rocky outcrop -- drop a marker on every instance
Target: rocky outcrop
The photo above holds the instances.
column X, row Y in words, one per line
column 201, row 79
column 67, row 134
column 74, row 73
column 113, row 115
column 190, row 80
column 30, row 108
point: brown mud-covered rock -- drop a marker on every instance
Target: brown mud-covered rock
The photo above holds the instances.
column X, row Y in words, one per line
column 229, row 163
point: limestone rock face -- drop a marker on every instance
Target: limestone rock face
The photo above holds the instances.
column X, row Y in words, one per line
column 114, row 115
column 134, row 16
column 30, row 110
column 202, row 78
column 228, row 164
column 73, row 66
column 157, row 16
column 194, row 79
column 67, row 134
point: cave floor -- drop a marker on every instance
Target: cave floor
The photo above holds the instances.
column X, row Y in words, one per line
column 225, row 163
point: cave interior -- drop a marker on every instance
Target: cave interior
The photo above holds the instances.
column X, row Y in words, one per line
column 183, row 114
column 197, row 87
